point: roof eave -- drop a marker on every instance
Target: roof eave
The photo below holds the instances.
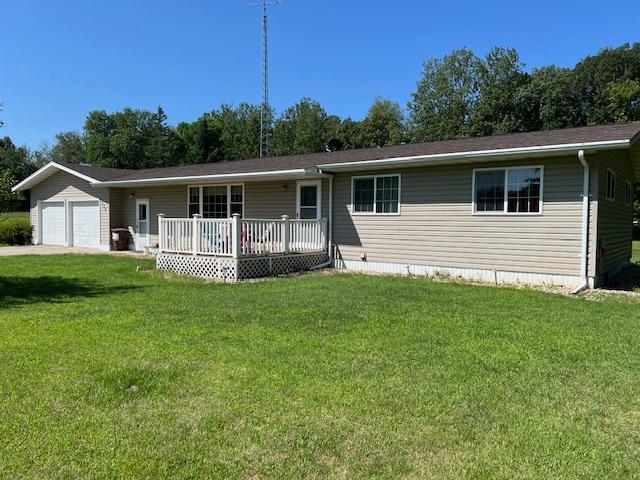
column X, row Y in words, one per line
column 32, row 179
column 227, row 177
column 474, row 156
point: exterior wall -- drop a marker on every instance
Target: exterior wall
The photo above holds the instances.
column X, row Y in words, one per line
column 436, row 226
column 62, row 186
column 615, row 219
column 270, row 199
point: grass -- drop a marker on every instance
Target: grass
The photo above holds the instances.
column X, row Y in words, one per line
column 20, row 215
column 635, row 252
column 111, row 373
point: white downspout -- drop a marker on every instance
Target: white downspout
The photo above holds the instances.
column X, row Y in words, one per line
column 584, row 249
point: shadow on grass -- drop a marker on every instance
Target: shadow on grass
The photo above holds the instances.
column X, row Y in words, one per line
column 25, row 290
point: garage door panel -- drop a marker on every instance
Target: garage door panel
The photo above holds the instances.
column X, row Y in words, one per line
column 85, row 224
column 53, row 223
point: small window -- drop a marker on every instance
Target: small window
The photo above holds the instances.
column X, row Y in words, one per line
column 194, row 201
column 490, row 191
column 508, row 190
column 379, row 194
column 363, row 195
column 216, row 201
column 628, row 194
column 523, row 190
column 236, row 200
column 611, row 185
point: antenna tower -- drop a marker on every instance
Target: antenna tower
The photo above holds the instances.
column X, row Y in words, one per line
column 264, row 110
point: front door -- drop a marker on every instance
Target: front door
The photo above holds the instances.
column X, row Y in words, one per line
column 142, row 223
column 309, row 199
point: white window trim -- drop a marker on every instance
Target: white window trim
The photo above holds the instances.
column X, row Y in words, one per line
column 606, row 185
column 506, row 192
column 228, row 185
column 628, row 188
column 375, row 193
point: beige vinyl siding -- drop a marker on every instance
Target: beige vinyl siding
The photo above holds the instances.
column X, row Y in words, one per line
column 261, row 200
column 436, row 225
column 274, row 199
column 170, row 200
column 615, row 219
column 63, row 186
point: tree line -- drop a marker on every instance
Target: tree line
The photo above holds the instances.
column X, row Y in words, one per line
column 458, row 95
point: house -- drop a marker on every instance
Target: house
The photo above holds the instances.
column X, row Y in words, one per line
column 541, row 207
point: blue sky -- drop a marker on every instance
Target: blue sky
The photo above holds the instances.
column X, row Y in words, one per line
column 59, row 60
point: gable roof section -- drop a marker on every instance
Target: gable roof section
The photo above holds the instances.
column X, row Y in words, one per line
column 467, row 149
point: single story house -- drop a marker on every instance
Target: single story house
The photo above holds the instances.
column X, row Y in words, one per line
column 540, row 207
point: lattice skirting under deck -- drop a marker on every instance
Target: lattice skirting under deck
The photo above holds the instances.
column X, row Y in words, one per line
column 230, row 269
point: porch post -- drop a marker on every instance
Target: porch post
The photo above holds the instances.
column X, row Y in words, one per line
column 235, row 236
column 195, row 233
column 160, row 233
column 323, row 229
column 285, row 233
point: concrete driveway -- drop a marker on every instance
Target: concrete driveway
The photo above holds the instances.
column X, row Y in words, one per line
column 54, row 250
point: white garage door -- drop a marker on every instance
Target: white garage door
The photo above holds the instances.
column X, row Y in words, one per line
column 53, row 222
column 85, row 224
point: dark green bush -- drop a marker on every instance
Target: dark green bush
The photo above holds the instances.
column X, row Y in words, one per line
column 15, row 230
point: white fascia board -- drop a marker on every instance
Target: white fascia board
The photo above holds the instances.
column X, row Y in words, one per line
column 33, row 178
column 228, row 177
column 478, row 155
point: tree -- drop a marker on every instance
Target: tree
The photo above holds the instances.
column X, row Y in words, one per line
column 350, row 134
column 127, row 139
column 593, row 76
column 1, row 105
column 445, row 97
column 624, row 100
column 550, row 99
column 238, row 131
column 200, row 140
column 383, row 125
column 15, row 165
column 498, row 110
column 43, row 154
column 10, row 201
column 302, row 128
column 69, row 147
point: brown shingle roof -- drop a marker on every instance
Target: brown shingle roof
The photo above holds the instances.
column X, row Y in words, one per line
column 102, row 174
column 598, row 133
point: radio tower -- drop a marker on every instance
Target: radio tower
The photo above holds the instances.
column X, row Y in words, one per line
column 264, row 110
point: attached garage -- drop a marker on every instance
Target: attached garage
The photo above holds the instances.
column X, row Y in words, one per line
column 85, row 224
column 67, row 209
column 53, row 223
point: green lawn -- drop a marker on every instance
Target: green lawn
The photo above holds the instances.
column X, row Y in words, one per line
column 7, row 215
column 106, row 372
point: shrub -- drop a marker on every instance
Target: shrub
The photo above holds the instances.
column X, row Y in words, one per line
column 15, row 230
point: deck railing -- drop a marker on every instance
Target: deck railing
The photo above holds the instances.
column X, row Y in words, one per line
column 236, row 237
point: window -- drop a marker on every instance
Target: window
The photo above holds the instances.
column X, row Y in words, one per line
column 216, row 201
column 628, row 193
column 508, row 190
column 235, row 201
column 611, row 185
column 490, row 191
column 377, row 194
column 194, row 200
